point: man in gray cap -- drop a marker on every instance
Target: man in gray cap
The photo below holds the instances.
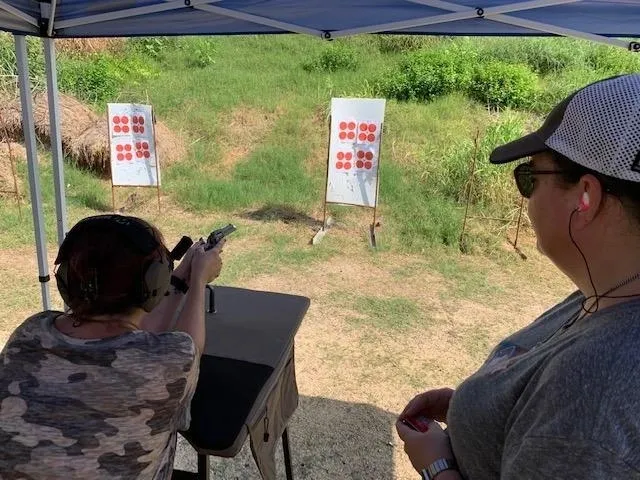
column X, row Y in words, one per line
column 560, row 398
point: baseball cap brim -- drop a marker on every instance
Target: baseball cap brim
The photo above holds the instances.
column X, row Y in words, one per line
column 523, row 147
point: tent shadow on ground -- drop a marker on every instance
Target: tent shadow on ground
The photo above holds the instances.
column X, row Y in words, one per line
column 329, row 439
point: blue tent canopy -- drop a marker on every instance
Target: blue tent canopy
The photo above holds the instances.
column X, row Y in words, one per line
column 324, row 18
column 606, row 21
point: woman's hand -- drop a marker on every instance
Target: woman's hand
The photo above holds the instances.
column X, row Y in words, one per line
column 432, row 404
column 206, row 264
column 424, row 448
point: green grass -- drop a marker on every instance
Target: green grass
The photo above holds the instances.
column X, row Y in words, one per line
column 195, row 84
column 389, row 314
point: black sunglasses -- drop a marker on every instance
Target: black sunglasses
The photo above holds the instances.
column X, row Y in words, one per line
column 523, row 175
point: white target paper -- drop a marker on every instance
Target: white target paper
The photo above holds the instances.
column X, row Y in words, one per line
column 354, row 150
column 132, row 145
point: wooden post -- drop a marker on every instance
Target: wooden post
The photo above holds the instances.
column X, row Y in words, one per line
column 469, row 189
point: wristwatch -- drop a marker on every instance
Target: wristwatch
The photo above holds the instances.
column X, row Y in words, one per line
column 437, row 467
column 179, row 284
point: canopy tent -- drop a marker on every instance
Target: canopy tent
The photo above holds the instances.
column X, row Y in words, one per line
column 605, row 21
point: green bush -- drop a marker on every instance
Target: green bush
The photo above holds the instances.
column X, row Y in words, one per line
column 153, row 47
column 99, row 77
column 201, row 52
column 427, row 74
column 336, row 56
column 500, row 85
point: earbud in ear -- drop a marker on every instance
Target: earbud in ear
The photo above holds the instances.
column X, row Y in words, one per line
column 584, row 202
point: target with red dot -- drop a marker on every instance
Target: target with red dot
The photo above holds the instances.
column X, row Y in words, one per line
column 353, row 131
column 133, row 153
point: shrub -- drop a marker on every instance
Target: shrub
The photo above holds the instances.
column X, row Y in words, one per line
column 500, row 85
column 424, row 75
column 153, row 47
column 201, row 52
column 99, row 77
column 333, row 58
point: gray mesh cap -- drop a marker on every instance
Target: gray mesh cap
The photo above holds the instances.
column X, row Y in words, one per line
column 597, row 127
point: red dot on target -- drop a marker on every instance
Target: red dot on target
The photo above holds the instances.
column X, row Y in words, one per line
column 121, row 156
column 372, row 127
column 135, row 119
column 139, row 154
column 351, row 135
column 124, row 119
column 147, row 154
column 129, row 156
column 127, row 147
column 340, row 156
column 362, row 137
column 138, row 145
column 367, row 165
column 343, row 125
column 141, row 129
column 363, row 127
column 141, row 120
column 369, row 156
column 117, row 129
column 359, row 163
column 348, row 155
column 342, row 135
column 119, row 148
column 116, row 119
column 352, row 125
column 360, row 154
column 347, row 166
column 135, row 129
column 338, row 165
column 371, row 137
column 125, row 129
column 145, row 145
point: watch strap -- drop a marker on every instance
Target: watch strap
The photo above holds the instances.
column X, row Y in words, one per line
column 179, row 284
column 438, row 467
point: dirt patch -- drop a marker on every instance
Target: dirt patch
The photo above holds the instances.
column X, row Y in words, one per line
column 84, row 133
column 242, row 129
column 10, row 155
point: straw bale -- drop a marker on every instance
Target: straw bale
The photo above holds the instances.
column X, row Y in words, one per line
column 7, row 186
column 84, row 133
column 80, row 46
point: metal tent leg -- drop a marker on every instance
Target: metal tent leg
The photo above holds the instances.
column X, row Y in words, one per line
column 56, row 137
column 32, row 165
column 287, row 454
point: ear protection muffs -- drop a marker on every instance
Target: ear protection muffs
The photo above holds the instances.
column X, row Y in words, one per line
column 156, row 273
column 584, row 203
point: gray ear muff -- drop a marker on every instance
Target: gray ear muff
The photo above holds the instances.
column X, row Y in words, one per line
column 156, row 282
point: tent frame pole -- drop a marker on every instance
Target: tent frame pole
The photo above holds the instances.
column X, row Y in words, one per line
column 28, row 128
column 57, row 157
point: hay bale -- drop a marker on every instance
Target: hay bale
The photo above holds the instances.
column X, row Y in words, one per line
column 84, row 133
column 8, row 152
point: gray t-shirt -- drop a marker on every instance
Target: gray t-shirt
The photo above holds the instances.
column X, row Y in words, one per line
column 93, row 409
column 552, row 403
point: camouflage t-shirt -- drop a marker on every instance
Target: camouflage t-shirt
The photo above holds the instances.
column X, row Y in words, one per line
column 80, row 409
